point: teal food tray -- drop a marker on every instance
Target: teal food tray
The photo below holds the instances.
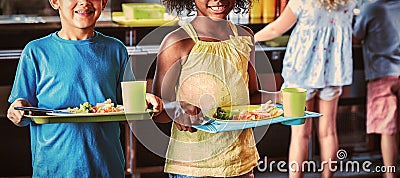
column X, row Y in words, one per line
column 215, row 126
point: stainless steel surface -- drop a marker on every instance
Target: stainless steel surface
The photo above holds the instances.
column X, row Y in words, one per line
column 33, row 19
column 15, row 19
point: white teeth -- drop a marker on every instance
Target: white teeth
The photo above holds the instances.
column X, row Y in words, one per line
column 82, row 12
column 216, row 8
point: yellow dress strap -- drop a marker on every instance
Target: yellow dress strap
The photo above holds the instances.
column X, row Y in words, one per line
column 190, row 30
column 240, row 43
column 233, row 27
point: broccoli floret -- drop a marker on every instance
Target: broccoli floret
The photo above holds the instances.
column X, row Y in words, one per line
column 86, row 107
column 221, row 114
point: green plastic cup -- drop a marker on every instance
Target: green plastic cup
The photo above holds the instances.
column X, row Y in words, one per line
column 134, row 96
column 294, row 104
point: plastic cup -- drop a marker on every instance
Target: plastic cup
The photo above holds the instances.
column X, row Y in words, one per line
column 294, row 104
column 134, row 96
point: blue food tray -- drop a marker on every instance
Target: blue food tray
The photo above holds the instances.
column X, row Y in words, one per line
column 215, row 126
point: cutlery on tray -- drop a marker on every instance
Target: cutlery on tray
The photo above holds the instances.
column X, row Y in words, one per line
column 39, row 111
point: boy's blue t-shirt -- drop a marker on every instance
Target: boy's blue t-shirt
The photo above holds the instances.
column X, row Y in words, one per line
column 378, row 25
column 57, row 73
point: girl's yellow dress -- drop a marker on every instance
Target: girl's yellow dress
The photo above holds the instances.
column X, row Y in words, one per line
column 214, row 74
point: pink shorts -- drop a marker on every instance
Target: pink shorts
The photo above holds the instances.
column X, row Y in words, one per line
column 383, row 104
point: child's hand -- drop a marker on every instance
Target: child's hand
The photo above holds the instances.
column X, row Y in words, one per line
column 17, row 116
column 278, row 98
column 155, row 101
column 184, row 115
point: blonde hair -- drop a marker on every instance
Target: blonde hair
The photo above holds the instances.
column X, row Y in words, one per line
column 332, row 4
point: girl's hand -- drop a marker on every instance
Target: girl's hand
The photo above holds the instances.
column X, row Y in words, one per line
column 185, row 115
column 274, row 96
column 17, row 116
column 155, row 101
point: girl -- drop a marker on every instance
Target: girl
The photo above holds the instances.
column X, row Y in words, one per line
column 204, row 64
column 319, row 58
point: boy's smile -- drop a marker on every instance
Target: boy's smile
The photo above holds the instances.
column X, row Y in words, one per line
column 84, row 12
column 78, row 17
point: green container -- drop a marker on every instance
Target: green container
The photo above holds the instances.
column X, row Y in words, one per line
column 277, row 42
column 138, row 11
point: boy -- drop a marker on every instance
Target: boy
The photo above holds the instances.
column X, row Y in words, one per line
column 379, row 29
column 64, row 69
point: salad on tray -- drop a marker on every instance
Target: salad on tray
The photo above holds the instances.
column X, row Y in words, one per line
column 249, row 112
column 104, row 107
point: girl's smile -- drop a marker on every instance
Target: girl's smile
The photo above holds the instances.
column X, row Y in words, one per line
column 218, row 9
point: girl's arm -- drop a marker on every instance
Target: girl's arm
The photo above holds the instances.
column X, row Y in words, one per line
column 276, row 28
column 255, row 96
column 166, row 74
column 173, row 51
column 258, row 96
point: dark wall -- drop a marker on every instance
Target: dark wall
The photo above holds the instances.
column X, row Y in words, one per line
column 15, row 157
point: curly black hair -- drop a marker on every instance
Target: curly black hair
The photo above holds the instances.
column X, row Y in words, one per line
column 241, row 6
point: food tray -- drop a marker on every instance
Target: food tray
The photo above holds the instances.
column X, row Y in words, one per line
column 167, row 21
column 215, row 126
column 88, row 117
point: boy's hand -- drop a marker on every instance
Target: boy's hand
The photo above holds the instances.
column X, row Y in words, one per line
column 17, row 116
column 155, row 101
